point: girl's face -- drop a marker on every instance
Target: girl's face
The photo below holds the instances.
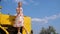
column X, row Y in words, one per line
column 19, row 4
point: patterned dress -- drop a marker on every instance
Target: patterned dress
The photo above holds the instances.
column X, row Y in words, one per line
column 19, row 19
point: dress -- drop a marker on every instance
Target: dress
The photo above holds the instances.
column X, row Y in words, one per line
column 19, row 20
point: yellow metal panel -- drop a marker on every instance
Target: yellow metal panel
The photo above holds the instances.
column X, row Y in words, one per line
column 27, row 24
column 9, row 20
column 5, row 19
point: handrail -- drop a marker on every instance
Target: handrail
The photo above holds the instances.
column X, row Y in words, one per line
column 4, row 29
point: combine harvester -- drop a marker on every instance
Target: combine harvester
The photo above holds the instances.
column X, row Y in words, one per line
column 6, row 24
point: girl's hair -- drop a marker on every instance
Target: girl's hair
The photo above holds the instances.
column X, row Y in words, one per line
column 19, row 2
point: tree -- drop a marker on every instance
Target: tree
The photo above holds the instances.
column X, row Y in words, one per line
column 0, row 8
column 43, row 31
column 49, row 30
column 31, row 31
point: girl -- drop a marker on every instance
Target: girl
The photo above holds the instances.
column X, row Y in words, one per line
column 19, row 18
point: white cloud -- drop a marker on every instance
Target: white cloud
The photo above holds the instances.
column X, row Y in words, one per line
column 26, row 3
column 19, row 0
column 23, row 1
column 34, row 2
column 46, row 19
column 39, row 20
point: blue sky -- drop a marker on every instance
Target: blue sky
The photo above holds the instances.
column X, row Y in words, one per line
column 43, row 13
